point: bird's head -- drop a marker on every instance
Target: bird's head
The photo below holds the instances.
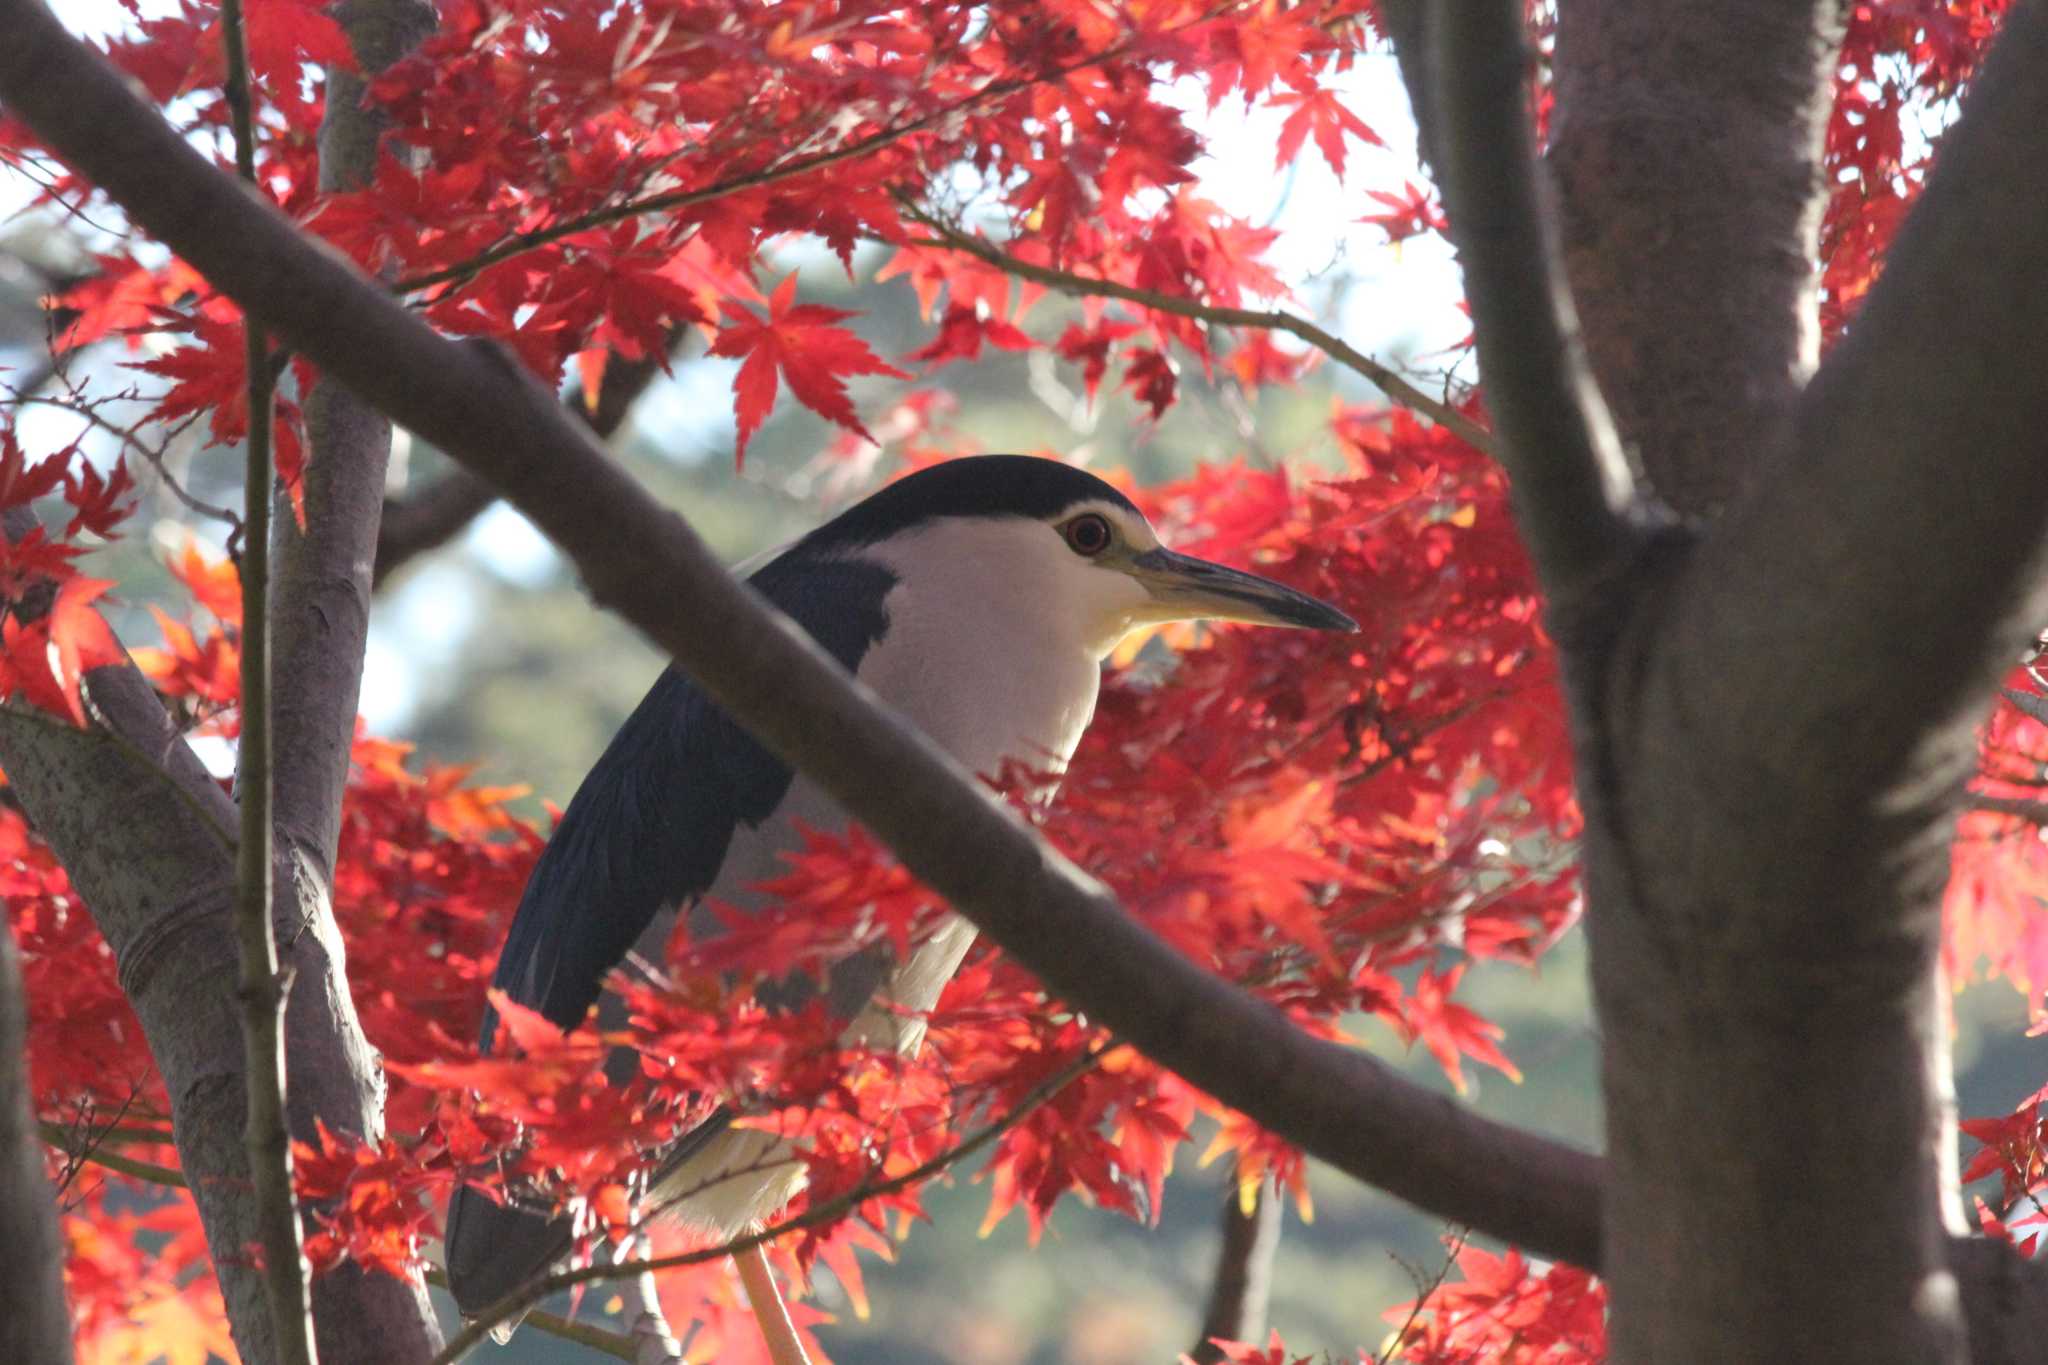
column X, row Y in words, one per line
column 1068, row 541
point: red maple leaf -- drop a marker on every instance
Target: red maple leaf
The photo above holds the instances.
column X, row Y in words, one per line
column 803, row 343
column 1150, row 375
column 1409, row 213
column 1319, row 111
column 962, row 332
column 21, row 482
column 45, row 659
column 1448, row 1028
column 1088, row 347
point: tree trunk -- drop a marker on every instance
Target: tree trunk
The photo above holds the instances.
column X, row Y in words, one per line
column 36, row 1325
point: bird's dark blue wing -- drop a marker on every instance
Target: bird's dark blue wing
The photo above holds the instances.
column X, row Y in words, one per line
column 648, row 828
column 651, row 823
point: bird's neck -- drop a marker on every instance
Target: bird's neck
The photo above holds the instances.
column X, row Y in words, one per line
column 985, row 665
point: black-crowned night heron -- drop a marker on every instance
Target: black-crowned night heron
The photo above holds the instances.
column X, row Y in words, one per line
column 979, row 599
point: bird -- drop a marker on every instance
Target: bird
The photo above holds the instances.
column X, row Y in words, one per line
column 977, row 597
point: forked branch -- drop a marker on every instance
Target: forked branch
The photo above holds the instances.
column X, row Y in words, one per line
column 1575, row 499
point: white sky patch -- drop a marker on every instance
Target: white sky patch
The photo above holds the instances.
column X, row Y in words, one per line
column 512, row 547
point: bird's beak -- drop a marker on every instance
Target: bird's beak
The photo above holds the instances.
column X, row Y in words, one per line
column 1184, row 588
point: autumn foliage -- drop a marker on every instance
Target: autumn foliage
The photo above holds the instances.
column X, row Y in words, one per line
column 1342, row 824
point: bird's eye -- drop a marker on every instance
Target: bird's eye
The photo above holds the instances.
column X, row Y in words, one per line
column 1087, row 534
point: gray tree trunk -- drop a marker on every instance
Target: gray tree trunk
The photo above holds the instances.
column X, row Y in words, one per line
column 1774, row 695
column 36, row 1323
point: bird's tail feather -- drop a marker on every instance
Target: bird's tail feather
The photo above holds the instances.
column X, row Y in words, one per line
column 493, row 1248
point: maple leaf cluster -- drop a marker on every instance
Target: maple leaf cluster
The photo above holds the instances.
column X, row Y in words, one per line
column 1501, row 1308
column 1331, row 796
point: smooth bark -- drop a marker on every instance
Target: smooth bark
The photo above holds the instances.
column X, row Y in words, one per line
column 1686, row 143
column 1241, row 1286
column 36, row 1323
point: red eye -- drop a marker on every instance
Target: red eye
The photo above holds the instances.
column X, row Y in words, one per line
column 1087, row 535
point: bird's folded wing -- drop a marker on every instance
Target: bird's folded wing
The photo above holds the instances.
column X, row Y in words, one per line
column 649, row 827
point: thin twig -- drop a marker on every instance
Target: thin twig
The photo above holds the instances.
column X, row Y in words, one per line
column 615, row 1344
column 1423, row 1290
column 56, row 1135
column 2020, row 807
column 534, row 1290
column 154, row 456
column 1389, row 381
column 261, row 987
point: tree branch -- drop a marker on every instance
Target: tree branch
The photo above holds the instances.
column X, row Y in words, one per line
column 1903, row 541
column 319, row 624
column 322, row 618
column 2031, row 809
column 643, row 562
column 1243, row 1282
column 1686, row 145
column 36, row 1325
column 161, row 895
column 433, row 516
column 426, row 520
column 1389, row 381
column 1575, row 500
column 170, row 1177
column 260, row 987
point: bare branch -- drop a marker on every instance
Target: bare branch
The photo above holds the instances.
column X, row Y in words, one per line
column 617, row 1345
column 2031, row 809
column 170, row 1177
column 260, row 988
column 432, row 517
column 643, row 562
column 1243, row 1282
column 37, row 1323
column 1389, row 381
column 1575, row 500
column 428, row 519
column 153, row 455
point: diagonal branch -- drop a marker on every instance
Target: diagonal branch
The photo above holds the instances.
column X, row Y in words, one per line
column 1389, row 381
column 427, row 519
column 643, row 562
column 1575, row 500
